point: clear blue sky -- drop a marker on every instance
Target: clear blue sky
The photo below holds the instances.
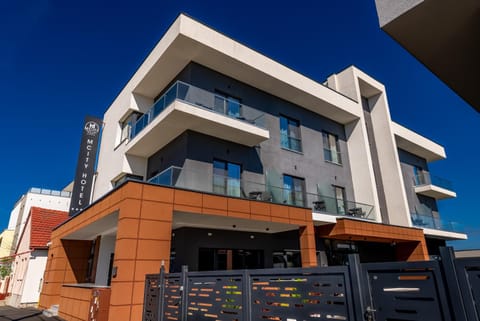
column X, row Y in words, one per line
column 62, row 60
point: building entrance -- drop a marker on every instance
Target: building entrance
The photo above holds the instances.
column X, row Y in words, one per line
column 210, row 259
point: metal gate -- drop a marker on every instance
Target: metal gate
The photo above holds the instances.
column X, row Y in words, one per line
column 406, row 291
column 444, row 290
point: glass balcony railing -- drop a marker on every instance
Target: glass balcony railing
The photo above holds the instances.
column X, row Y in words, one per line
column 332, row 156
column 427, row 179
column 52, row 192
column 222, row 185
column 202, row 99
column 332, row 205
column 435, row 222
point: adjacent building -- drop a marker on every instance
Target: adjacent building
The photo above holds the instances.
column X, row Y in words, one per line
column 36, row 197
column 6, row 240
column 442, row 35
column 30, row 256
column 19, row 216
column 217, row 157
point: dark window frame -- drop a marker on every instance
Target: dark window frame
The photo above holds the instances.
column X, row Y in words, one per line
column 331, row 154
column 226, row 187
column 290, row 139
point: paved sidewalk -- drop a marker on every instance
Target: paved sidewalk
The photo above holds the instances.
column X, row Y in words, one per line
column 8, row 313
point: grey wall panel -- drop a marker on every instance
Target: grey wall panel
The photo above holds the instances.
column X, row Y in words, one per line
column 309, row 164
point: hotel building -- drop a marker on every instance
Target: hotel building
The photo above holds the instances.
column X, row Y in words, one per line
column 217, row 157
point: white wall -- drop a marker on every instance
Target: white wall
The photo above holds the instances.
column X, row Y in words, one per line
column 19, row 270
column 354, row 83
column 361, row 167
column 34, row 276
column 12, row 223
column 107, row 247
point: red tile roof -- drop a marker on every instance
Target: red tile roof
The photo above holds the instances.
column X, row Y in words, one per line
column 43, row 222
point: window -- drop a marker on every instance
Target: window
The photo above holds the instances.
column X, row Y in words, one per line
column 331, row 148
column 340, row 199
column 226, row 178
column 227, row 105
column 126, row 125
column 294, row 190
column 290, row 134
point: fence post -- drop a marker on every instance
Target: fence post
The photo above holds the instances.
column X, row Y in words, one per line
column 447, row 262
column 161, row 292
column 184, row 293
column 247, row 296
column 357, row 286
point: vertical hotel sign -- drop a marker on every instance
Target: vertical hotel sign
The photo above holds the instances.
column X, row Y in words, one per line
column 82, row 185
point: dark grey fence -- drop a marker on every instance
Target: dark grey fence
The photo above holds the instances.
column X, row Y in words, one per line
column 446, row 289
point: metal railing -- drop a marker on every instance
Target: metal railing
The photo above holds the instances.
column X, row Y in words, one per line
column 332, row 156
column 201, row 99
column 434, row 222
column 52, row 192
column 332, row 205
column 223, row 185
column 426, row 179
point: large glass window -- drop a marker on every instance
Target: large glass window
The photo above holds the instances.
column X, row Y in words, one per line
column 340, row 199
column 331, row 148
column 290, row 134
column 226, row 178
column 294, row 190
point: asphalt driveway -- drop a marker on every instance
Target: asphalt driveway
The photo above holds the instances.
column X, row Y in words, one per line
column 8, row 313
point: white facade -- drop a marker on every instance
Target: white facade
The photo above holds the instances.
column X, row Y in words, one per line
column 27, row 278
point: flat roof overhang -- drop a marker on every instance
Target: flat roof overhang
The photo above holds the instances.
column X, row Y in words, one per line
column 442, row 35
column 324, row 219
column 187, row 40
column 435, row 191
column 416, row 144
column 105, row 226
column 362, row 230
column 444, row 235
column 181, row 116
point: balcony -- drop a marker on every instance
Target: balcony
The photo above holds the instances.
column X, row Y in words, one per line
column 185, row 107
column 429, row 221
column 433, row 186
column 223, row 185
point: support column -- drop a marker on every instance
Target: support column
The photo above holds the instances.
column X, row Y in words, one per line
column 307, row 245
column 143, row 243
